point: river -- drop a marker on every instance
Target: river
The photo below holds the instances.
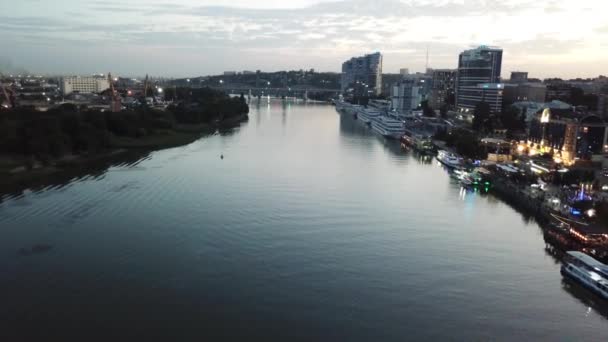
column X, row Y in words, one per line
column 310, row 228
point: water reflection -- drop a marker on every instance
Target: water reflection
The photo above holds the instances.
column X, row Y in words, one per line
column 353, row 128
column 95, row 170
column 586, row 297
column 285, row 107
column 350, row 243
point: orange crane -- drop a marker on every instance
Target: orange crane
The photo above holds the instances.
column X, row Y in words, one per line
column 115, row 103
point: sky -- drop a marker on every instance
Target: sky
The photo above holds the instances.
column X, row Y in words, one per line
column 547, row 38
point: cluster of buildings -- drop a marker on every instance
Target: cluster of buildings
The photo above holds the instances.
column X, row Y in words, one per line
column 554, row 160
column 476, row 79
column 95, row 91
column 571, row 132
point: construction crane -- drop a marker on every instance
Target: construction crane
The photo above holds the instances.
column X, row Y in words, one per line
column 115, row 103
column 146, row 86
column 9, row 94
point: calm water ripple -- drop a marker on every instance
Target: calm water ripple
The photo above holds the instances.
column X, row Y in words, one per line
column 311, row 227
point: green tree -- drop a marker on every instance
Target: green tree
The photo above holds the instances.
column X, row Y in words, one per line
column 426, row 109
column 511, row 119
column 523, row 118
column 482, row 119
column 466, row 143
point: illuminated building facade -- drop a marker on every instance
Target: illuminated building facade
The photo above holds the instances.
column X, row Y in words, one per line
column 569, row 138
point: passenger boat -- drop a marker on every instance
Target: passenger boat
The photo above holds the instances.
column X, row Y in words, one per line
column 388, row 127
column 449, row 159
column 587, row 271
column 346, row 108
column 367, row 115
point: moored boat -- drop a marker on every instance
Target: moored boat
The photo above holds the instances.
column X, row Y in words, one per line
column 449, row 159
column 367, row 115
column 587, row 271
column 388, row 127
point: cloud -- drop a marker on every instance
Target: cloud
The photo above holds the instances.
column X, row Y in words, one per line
column 602, row 29
column 314, row 33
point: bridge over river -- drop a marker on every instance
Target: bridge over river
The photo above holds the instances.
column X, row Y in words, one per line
column 298, row 92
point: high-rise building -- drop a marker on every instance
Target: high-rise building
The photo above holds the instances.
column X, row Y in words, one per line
column 405, row 96
column 424, row 83
column 404, row 71
column 363, row 75
column 84, row 84
column 479, row 66
column 443, row 86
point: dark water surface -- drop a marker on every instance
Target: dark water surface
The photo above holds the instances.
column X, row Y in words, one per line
column 311, row 228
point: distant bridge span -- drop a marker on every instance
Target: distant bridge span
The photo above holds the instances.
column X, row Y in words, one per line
column 277, row 91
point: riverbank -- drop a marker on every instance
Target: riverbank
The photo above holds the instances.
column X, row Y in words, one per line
column 18, row 173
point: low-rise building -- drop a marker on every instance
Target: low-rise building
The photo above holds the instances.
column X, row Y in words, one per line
column 519, row 77
column 532, row 108
column 84, row 84
column 490, row 93
column 526, row 91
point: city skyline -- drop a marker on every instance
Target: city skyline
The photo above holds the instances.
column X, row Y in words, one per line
column 201, row 38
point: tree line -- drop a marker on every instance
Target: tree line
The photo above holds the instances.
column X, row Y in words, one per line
column 70, row 129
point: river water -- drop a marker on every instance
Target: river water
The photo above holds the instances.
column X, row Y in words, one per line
column 310, row 228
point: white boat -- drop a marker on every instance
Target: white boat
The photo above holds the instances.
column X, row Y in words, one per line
column 449, row 159
column 587, row 271
column 388, row 127
column 367, row 115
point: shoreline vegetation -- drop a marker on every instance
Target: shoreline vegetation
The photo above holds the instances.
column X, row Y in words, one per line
column 40, row 148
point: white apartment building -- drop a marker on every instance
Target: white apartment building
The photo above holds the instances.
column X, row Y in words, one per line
column 84, row 84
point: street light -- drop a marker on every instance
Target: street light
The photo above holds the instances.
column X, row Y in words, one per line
column 160, row 90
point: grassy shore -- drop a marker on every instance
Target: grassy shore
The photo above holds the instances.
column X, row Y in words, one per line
column 18, row 172
column 157, row 141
